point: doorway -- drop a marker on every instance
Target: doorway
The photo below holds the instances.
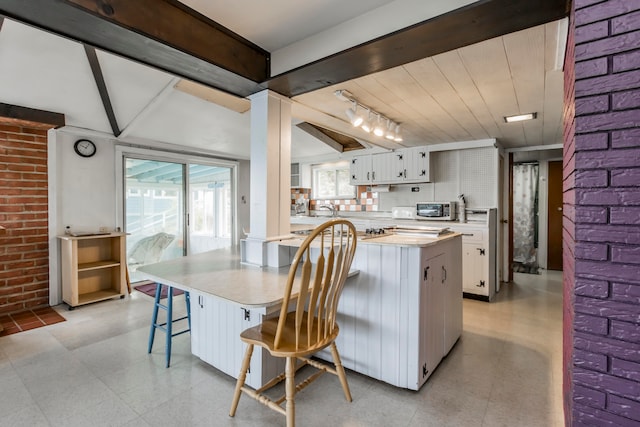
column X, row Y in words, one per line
column 525, row 217
column 174, row 208
column 554, row 224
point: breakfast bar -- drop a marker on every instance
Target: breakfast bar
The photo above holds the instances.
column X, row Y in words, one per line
column 399, row 316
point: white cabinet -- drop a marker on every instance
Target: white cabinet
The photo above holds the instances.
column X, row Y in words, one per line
column 360, row 170
column 411, row 165
column 402, row 313
column 416, row 164
column 479, row 269
column 431, row 314
column 383, row 169
column 216, row 325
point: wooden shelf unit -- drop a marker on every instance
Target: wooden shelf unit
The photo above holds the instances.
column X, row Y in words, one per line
column 93, row 268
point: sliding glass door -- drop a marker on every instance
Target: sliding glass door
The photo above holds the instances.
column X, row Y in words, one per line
column 161, row 222
column 210, row 221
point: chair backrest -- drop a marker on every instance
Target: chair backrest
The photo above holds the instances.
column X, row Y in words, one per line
column 324, row 260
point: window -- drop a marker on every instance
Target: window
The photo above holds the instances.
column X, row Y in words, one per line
column 331, row 181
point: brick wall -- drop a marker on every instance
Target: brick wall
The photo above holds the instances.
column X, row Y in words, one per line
column 606, row 326
column 24, row 248
column 568, row 222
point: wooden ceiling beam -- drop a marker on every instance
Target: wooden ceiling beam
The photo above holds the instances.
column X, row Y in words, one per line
column 167, row 35
column 98, row 77
column 462, row 27
column 16, row 112
column 163, row 34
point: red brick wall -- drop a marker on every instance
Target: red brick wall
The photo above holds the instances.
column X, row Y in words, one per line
column 24, row 248
column 568, row 222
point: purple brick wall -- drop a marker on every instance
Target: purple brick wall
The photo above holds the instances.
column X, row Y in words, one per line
column 604, row 374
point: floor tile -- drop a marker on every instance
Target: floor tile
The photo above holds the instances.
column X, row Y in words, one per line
column 506, row 369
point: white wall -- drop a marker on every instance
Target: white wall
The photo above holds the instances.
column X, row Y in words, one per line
column 82, row 191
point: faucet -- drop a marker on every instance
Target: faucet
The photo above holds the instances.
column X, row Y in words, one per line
column 331, row 207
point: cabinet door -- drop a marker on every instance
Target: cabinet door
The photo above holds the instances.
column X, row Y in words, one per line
column 215, row 334
column 416, row 164
column 431, row 315
column 383, row 168
column 452, row 290
column 360, row 170
column 474, row 272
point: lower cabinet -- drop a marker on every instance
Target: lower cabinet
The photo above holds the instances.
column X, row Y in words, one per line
column 216, row 325
column 402, row 313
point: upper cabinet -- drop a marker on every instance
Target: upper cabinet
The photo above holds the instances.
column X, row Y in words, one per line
column 409, row 165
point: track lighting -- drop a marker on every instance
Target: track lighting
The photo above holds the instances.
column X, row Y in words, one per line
column 392, row 131
column 378, row 130
column 366, row 125
column 355, row 118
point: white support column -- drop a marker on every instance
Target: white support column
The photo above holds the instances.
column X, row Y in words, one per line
column 270, row 193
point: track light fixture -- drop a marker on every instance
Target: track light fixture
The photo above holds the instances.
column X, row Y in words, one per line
column 382, row 126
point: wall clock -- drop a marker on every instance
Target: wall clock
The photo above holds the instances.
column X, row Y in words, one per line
column 84, row 148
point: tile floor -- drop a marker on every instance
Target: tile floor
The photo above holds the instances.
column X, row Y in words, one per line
column 30, row 319
column 94, row 370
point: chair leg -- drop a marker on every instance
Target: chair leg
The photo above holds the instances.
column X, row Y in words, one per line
column 241, row 379
column 169, row 326
column 340, row 371
column 290, row 391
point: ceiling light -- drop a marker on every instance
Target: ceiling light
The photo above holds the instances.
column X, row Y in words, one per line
column 378, row 130
column 355, row 118
column 365, row 122
column 391, row 134
column 398, row 135
column 520, row 117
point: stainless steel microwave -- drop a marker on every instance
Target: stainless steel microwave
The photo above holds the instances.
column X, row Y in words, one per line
column 442, row 211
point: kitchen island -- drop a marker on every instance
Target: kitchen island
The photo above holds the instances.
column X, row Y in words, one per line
column 399, row 316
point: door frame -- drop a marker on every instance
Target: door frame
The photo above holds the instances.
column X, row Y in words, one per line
column 124, row 151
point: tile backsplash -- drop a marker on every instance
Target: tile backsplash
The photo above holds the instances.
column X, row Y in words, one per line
column 366, row 201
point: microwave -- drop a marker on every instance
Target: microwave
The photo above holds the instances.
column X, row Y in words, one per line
column 442, row 211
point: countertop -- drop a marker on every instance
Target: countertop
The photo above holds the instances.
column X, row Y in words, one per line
column 220, row 273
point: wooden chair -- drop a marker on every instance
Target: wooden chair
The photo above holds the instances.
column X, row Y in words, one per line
column 311, row 326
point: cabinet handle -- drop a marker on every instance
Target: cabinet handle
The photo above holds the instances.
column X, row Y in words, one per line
column 353, row 177
column 368, row 176
column 467, row 234
column 423, row 173
column 373, row 175
column 423, row 154
column 353, row 161
column 399, row 174
column 444, row 274
column 481, row 251
column 481, row 285
column 247, row 314
column 426, row 273
column 399, row 156
column 405, row 173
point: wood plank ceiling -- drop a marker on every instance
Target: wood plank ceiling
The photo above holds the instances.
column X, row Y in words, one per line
column 428, row 77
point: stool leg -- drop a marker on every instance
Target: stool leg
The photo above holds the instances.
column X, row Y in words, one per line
column 187, row 300
column 154, row 317
column 169, row 323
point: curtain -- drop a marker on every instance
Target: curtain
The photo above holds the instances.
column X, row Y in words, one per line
column 525, row 213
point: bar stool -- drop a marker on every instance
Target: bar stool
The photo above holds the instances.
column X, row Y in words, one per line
column 167, row 327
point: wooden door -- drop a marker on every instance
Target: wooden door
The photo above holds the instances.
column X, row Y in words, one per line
column 554, row 224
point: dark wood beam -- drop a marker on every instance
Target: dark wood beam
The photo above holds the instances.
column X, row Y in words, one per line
column 167, row 35
column 335, row 140
column 102, row 88
column 471, row 24
column 16, row 112
column 164, row 34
